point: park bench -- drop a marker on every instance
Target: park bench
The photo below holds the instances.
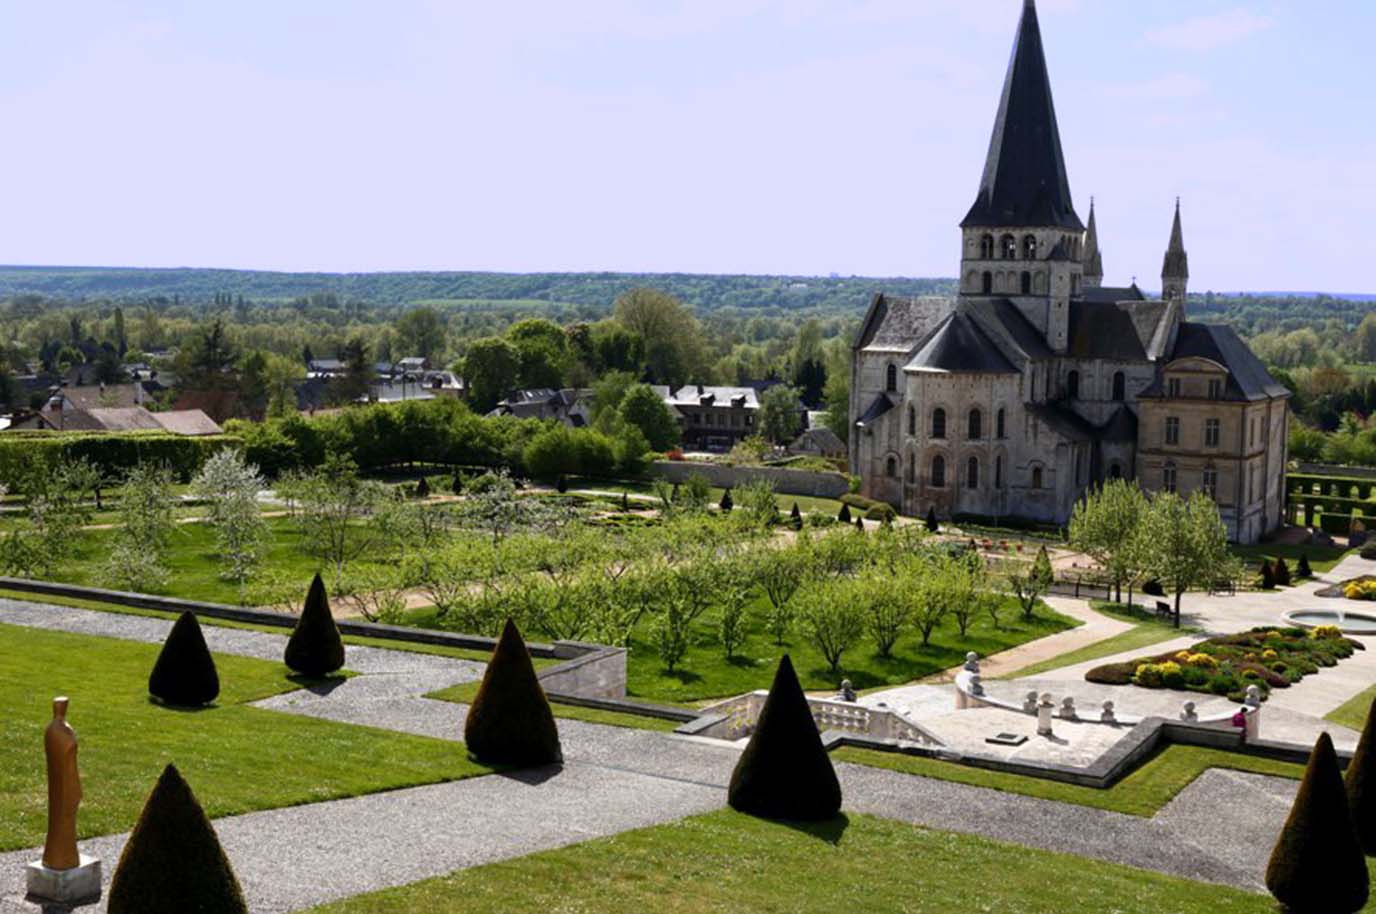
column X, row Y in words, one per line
column 1163, row 610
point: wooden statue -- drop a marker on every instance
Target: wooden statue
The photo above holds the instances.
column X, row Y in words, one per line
column 64, row 791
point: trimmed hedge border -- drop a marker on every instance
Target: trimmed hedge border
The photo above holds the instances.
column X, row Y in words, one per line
column 112, row 453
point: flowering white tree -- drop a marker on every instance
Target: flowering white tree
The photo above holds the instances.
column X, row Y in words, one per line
column 231, row 487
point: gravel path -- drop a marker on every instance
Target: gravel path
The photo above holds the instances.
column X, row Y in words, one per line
column 614, row 779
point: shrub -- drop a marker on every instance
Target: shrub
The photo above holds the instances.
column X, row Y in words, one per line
column 510, row 721
column 1223, row 684
column 456, row 484
column 423, row 488
column 844, row 514
column 1112, row 674
column 1361, row 786
column 1369, row 550
column 932, row 525
column 562, row 486
column 173, row 862
column 1282, row 572
column 860, row 524
column 315, row 648
column 1325, row 632
column 784, row 773
column 1268, row 576
column 796, row 517
column 184, row 673
column 883, row 514
column 726, row 503
column 1302, row 569
column 1317, row 864
column 1153, row 589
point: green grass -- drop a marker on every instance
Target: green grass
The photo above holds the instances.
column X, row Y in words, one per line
column 237, row 758
column 463, row 694
column 1141, row 793
column 728, row 862
column 1352, row 714
column 806, row 503
column 1321, row 558
column 705, row 673
column 1146, row 631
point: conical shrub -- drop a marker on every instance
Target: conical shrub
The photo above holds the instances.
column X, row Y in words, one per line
column 1282, row 572
column 423, row 488
column 1317, row 866
column 315, row 648
column 784, row 772
column 932, row 525
column 510, row 721
column 1302, row 570
column 173, row 862
column 860, row 524
column 184, row 673
column 1361, row 785
column 796, row 517
column 726, row 503
column 844, row 514
column 1268, row 576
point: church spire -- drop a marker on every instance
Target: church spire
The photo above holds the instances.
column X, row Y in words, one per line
column 1024, row 182
column 1175, row 269
column 1093, row 259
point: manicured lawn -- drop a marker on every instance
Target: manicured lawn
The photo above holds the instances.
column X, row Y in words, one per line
column 1141, row 793
column 1321, row 558
column 1353, row 713
column 1147, row 630
column 463, row 694
column 727, row 862
column 705, row 673
column 237, row 758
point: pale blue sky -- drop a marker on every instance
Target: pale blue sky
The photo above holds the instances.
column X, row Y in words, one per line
column 799, row 136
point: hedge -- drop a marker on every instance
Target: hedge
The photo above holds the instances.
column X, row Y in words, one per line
column 113, row 453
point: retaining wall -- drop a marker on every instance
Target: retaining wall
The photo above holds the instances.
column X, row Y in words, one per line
column 786, row 481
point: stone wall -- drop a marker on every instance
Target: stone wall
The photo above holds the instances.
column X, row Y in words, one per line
column 786, row 481
column 1333, row 469
column 596, row 671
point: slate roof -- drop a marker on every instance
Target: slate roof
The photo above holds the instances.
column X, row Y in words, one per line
column 1112, row 294
column 1176, row 264
column 696, row 395
column 896, row 324
column 1025, row 182
column 1248, row 378
column 1118, row 331
column 1005, row 324
column 103, row 395
column 881, row 405
column 1064, row 421
column 1122, row 427
column 959, row 345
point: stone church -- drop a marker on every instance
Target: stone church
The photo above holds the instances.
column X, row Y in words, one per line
column 1038, row 381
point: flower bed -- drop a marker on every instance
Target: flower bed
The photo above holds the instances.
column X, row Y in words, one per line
column 1268, row 657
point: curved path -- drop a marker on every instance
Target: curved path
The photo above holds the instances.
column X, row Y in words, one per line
column 613, row 779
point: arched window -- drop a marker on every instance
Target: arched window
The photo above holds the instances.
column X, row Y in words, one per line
column 972, row 473
column 1120, row 386
column 1029, row 247
column 1072, row 385
column 986, row 247
column 998, row 472
column 987, row 283
column 1008, row 247
column 976, row 425
column 912, row 420
column 1115, row 471
column 1036, row 477
column 1026, row 283
column 998, row 425
column 938, row 472
column 891, row 379
column 938, row 423
column 912, row 469
column 891, row 468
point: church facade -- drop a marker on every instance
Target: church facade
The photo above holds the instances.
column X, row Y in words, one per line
column 1038, row 381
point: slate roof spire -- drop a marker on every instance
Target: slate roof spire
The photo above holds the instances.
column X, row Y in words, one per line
column 1177, row 262
column 1025, row 183
column 1094, row 260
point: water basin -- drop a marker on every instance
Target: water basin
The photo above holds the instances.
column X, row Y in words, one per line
column 1352, row 623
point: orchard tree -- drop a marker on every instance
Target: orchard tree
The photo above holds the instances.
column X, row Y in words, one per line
column 1104, row 527
column 1184, row 543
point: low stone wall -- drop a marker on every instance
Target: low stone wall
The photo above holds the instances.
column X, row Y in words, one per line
column 1334, row 469
column 597, row 671
column 786, row 481
column 736, row 717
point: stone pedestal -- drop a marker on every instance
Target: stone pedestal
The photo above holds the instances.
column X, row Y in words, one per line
column 57, row 890
column 1044, row 709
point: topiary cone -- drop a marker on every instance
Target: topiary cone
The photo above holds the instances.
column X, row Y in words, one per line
column 844, row 514
column 510, row 721
column 784, row 772
column 173, row 862
column 315, row 648
column 184, row 673
column 1317, row 866
column 932, row 525
column 1361, row 785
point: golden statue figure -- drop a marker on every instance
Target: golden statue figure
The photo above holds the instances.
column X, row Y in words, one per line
column 64, row 791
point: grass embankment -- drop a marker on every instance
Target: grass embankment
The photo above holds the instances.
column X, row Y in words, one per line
column 1353, row 712
column 1321, row 558
column 726, row 861
column 463, row 694
column 1141, row 793
column 237, row 758
column 1146, row 631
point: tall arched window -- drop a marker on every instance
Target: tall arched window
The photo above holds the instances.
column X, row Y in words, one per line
column 1036, row 477
column 976, row 425
column 1026, row 283
column 1120, row 386
column 972, row 473
column 938, row 472
column 986, row 247
column 998, row 472
column 987, row 283
column 998, row 425
column 912, row 420
column 891, row 468
column 1008, row 247
column 891, row 379
column 938, row 423
column 912, row 469
column 1072, row 385
column 1029, row 247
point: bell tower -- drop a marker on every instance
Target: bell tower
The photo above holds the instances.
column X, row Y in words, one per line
column 1175, row 270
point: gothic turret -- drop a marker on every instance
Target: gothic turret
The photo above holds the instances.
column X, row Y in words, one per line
column 1175, row 270
column 1093, row 260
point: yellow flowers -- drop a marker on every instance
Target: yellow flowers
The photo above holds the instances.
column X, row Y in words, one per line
column 1364, row 589
column 1329, row 631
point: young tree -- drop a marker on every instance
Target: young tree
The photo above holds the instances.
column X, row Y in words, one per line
column 758, row 502
column 146, row 526
column 886, row 611
column 334, row 503
column 1104, row 525
column 231, row 487
column 832, row 617
column 1184, row 543
column 1029, row 583
column 734, row 588
column 780, row 572
column 780, row 414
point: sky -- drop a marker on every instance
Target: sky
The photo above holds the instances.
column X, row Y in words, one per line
column 724, row 136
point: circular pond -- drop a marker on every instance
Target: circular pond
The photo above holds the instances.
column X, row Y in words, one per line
column 1352, row 623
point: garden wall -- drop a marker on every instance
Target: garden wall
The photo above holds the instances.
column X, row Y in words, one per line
column 786, row 481
column 1333, row 469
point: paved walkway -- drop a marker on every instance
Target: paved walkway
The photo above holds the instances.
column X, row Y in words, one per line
column 614, row 779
